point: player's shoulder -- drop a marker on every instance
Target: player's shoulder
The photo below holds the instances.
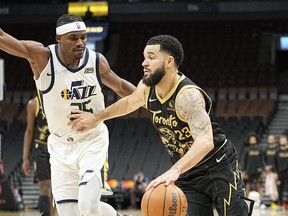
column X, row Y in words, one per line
column 190, row 93
column 142, row 88
column 33, row 100
column 100, row 55
column 32, row 104
column 35, row 46
column 103, row 62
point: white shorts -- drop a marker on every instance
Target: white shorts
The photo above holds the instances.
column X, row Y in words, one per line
column 76, row 163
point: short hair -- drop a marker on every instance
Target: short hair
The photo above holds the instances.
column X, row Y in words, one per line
column 68, row 18
column 253, row 134
column 170, row 45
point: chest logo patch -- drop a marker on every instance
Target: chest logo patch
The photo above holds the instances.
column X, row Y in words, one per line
column 89, row 70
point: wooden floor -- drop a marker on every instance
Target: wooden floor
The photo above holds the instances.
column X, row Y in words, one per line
column 256, row 212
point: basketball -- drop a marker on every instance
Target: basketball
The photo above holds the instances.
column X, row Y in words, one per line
column 164, row 201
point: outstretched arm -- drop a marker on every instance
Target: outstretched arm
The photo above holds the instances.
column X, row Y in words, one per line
column 190, row 105
column 34, row 52
column 28, row 136
column 86, row 120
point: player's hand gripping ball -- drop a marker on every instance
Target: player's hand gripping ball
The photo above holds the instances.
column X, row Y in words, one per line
column 164, row 201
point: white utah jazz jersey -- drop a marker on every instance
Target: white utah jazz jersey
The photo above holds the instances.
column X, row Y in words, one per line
column 63, row 89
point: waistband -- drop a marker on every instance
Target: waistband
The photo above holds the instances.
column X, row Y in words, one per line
column 214, row 153
column 76, row 137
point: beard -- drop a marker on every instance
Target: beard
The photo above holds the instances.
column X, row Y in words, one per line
column 154, row 78
column 79, row 56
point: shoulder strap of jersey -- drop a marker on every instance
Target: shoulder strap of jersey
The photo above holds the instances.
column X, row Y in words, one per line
column 147, row 94
column 97, row 70
column 37, row 106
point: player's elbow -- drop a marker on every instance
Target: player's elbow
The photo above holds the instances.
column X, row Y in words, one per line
column 29, row 131
column 209, row 144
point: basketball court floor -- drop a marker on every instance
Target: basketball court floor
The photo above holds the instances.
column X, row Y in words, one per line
column 256, row 212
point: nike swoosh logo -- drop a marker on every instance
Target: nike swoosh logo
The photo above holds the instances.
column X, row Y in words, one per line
column 151, row 100
column 219, row 159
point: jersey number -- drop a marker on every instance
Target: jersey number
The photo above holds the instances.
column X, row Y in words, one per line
column 184, row 133
column 81, row 106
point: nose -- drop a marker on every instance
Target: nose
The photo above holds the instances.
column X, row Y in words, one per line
column 79, row 42
column 144, row 63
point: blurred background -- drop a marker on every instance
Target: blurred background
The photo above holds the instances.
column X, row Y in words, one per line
column 236, row 50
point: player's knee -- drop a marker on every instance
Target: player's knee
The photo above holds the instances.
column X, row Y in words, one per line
column 44, row 188
column 90, row 209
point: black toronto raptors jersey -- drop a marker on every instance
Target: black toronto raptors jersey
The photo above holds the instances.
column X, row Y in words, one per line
column 269, row 155
column 174, row 131
column 41, row 131
column 281, row 161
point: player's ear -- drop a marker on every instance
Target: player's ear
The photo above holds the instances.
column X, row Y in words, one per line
column 58, row 38
column 170, row 60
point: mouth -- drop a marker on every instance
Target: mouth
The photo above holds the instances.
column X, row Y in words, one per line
column 78, row 49
column 78, row 52
column 146, row 71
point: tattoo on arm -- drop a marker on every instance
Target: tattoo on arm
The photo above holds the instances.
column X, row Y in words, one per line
column 190, row 105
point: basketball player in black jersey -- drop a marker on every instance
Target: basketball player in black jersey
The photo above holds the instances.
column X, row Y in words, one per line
column 36, row 133
column 205, row 164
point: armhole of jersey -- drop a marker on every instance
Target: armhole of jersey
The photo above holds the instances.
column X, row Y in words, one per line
column 209, row 100
column 52, row 74
column 205, row 98
column 97, row 70
column 37, row 107
column 147, row 94
column 40, row 100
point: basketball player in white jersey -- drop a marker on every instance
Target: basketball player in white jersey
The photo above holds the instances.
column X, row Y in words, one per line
column 69, row 76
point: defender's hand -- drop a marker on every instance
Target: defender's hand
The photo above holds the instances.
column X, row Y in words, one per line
column 82, row 121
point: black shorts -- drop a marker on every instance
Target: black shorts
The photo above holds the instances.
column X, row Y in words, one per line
column 41, row 163
column 215, row 183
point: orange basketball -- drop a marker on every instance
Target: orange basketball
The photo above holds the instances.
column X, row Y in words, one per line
column 164, row 201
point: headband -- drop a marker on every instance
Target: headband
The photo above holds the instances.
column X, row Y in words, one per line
column 70, row 27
